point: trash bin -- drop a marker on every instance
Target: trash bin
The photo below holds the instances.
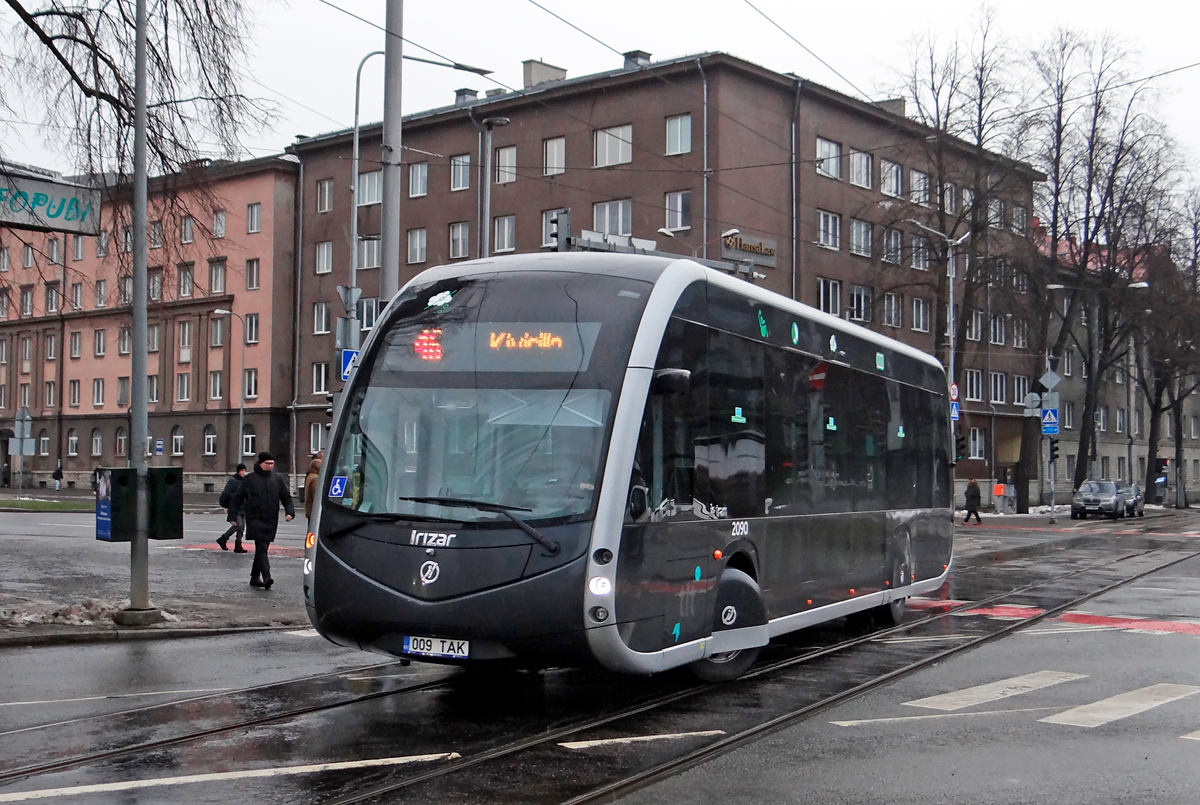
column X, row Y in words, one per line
column 166, row 503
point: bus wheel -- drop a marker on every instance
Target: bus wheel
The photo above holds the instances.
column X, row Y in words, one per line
column 892, row 612
column 740, row 604
column 725, row 667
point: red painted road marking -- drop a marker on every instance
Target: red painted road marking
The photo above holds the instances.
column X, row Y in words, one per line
column 294, row 553
column 1019, row 612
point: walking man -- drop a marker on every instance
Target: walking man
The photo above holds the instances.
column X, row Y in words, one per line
column 258, row 501
column 237, row 523
column 57, row 475
column 973, row 497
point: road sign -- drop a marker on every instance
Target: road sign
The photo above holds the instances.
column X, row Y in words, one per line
column 1049, row 380
column 1049, row 421
column 1050, row 399
column 337, row 486
column 349, row 297
column 158, row 447
column 953, row 392
column 816, row 377
column 954, row 409
column 349, row 357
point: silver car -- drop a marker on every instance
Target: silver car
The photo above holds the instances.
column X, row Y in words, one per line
column 1100, row 498
column 1135, row 501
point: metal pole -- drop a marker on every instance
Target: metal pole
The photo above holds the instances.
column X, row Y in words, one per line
column 354, row 244
column 242, row 402
column 389, row 272
column 139, row 611
column 486, row 223
column 1053, row 483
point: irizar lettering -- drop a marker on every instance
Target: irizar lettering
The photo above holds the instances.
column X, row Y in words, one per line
column 431, row 539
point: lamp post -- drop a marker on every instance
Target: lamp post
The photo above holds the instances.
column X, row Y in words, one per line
column 488, row 123
column 242, row 398
column 950, row 272
column 352, row 312
column 728, row 233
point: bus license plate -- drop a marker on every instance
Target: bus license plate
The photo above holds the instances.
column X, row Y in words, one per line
column 437, row 647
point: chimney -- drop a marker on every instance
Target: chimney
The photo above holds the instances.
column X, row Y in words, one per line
column 636, row 58
column 464, row 96
column 492, row 93
column 538, row 72
column 893, row 105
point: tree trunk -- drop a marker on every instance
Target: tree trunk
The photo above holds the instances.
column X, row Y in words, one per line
column 1087, row 430
column 1155, row 425
column 1031, row 435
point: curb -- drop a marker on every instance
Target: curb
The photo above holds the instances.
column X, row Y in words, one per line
column 22, row 510
column 107, row 635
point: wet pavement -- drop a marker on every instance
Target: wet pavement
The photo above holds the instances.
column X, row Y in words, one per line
column 300, row 720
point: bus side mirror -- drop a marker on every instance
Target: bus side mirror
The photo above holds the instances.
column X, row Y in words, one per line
column 671, row 381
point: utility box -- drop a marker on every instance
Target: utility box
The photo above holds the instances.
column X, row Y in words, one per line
column 116, row 504
column 166, row 503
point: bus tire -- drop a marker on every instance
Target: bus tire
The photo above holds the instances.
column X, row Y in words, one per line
column 892, row 612
column 736, row 590
column 725, row 667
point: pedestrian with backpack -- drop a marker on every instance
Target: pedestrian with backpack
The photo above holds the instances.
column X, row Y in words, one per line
column 237, row 523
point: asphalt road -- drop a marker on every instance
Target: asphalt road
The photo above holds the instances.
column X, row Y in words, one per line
column 1099, row 703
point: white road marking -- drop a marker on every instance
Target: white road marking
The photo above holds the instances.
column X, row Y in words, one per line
column 1192, row 736
column 100, row 788
column 304, row 633
column 1121, row 706
column 993, row 691
column 637, row 739
column 899, row 719
column 115, row 696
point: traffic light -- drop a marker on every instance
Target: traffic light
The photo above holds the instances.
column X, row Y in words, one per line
column 960, row 446
column 1053, row 450
column 560, row 231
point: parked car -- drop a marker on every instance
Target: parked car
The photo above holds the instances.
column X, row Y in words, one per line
column 1135, row 501
column 1098, row 497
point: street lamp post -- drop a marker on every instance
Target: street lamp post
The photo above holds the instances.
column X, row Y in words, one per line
column 728, row 233
column 352, row 312
column 950, row 274
column 242, row 397
column 489, row 123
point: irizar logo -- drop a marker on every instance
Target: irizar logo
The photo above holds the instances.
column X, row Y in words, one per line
column 429, row 573
column 431, row 539
column 728, row 616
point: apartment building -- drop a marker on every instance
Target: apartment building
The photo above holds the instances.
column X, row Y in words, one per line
column 221, row 239
column 825, row 192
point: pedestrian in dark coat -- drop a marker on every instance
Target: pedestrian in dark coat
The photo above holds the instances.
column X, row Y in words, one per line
column 258, row 500
column 973, row 497
column 237, row 523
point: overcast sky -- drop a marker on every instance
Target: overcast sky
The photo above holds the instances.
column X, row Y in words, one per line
column 307, row 51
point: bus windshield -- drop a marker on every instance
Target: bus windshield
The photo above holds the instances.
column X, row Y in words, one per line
column 496, row 388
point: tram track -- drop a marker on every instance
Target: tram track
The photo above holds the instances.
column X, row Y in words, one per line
column 511, row 749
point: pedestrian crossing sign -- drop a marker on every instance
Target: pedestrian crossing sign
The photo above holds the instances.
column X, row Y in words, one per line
column 1049, row 421
column 954, row 409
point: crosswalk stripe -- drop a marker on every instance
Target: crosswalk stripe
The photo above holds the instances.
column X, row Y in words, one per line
column 1121, row 706
column 993, row 691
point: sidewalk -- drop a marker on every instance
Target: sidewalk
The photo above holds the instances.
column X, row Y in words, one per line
column 84, row 500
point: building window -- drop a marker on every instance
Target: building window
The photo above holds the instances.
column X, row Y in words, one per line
column 253, row 218
column 23, row 395
column 320, row 318
column 920, row 311
column 893, row 246
column 370, row 188
column 251, row 328
column 977, row 444
column 460, row 172
column 325, row 257
column 124, row 340
column 3, row 396
column 320, row 377
column 918, row 187
column 97, row 442
column 1196, row 427
column 893, row 310
column 613, row 146
column 862, row 169
column 1020, row 219
column 219, row 224
column 549, row 225
column 252, row 274
column 997, row 334
column 949, row 198
column 974, row 390
column 324, row 195
column 27, row 301
column 554, row 156
column 1121, row 421
column 460, row 237
column 152, row 338
column 1021, row 333
column 996, row 213
column 210, row 440
column 156, row 235
column 369, row 252
column 216, row 277
column 4, row 304
column 51, row 298
column 891, row 178
column 316, row 438
column 76, row 296
column 1102, row 419
column 154, row 285
column 506, row 164
column 185, row 338
column 44, row 443
column 1068, row 415
column 968, row 202
column 831, row 229
column 98, row 343
column 27, row 256
column 613, row 217
column 98, row 391
column 1020, row 281
column 679, row 209
column 102, row 245
column 418, row 179
column 185, row 281
column 679, row 134
column 505, row 233
column 152, row 388
column 1020, row 389
column 249, row 440
column 920, row 253
column 416, row 246
column 999, row 386
column 50, row 394
column 829, row 158
column 215, row 386
column 830, row 296
column 860, row 237
column 72, row 442
column 974, row 325
column 76, row 253
column 76, row 344
column 73, row 393
column 176, row 441
column 366, row 310
column 183, row 386
column 53, row 251
column 250, row 383
column 187, row 229
column 1068, row 362
column 860, row 303
column 125, row 285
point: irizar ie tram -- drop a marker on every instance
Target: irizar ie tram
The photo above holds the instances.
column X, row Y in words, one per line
column 571, row 458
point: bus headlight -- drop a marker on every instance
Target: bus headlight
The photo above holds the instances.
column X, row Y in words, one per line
column 308, row 566
column 599, row 585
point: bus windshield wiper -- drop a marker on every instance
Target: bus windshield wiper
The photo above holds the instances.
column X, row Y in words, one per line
column 497, row 508
column 378, row 517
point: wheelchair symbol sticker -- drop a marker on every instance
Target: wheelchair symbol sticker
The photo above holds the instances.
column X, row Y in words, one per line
column 337, row 487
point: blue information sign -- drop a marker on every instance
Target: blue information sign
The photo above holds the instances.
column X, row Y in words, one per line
column 158, row 447
column 349, row 356
column 954, row 409
column 1049, row 421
